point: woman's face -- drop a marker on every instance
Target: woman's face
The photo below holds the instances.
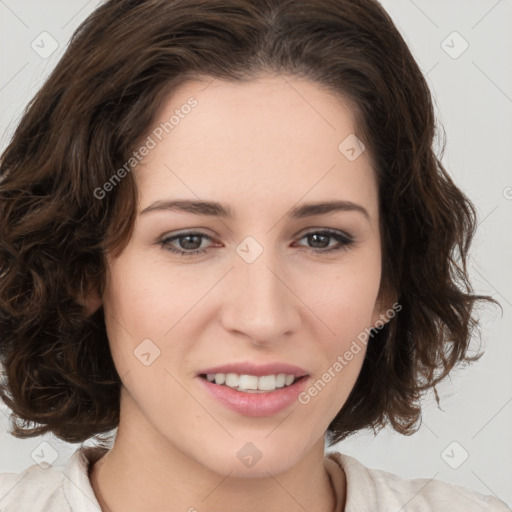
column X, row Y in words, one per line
column 257, row 300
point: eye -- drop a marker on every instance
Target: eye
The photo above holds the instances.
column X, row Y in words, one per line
column 190, row 243
column 320, row 240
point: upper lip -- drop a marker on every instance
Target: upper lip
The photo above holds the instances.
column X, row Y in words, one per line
column 248, row 368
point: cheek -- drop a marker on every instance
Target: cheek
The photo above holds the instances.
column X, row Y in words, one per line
column 328, row 391
column 130, row 307
column 351, row 320
column 346, row 302
column 346, row 308
column 146, row 308
column 139, row 298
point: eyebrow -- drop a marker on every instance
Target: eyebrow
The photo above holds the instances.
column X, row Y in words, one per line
column 215, row 209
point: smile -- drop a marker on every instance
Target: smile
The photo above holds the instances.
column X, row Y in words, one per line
column 251, row 383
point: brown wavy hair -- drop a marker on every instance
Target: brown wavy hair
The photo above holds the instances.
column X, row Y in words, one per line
column 121, row 65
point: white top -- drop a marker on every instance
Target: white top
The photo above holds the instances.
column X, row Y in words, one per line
column 68, row 489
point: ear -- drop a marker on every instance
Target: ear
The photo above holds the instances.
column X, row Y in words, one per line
column 91, row 301
column 386, row 306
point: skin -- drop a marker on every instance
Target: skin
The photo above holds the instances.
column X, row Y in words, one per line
column 261, row 148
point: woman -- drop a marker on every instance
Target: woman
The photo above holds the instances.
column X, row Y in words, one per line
column 225, row 233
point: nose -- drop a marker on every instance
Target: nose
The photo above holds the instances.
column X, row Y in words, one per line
column 258, row 301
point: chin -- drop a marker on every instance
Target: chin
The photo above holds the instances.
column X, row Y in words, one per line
column 260, row 469
column 256, row 459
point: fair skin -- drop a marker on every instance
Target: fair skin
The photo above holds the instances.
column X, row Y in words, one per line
column 260, row 148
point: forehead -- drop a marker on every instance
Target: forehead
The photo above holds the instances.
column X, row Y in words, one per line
column 274, row 139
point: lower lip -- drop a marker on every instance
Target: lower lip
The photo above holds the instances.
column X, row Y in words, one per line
column 255, row 404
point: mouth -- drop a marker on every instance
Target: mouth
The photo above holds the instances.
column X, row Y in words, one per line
column 252, row 383
column 254, row 388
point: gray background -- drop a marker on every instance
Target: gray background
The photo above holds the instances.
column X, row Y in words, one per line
column 468, row 442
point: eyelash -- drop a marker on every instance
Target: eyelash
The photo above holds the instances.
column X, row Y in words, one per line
column 344, row 242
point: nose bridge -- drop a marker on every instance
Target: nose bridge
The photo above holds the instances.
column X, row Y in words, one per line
column 260, row 304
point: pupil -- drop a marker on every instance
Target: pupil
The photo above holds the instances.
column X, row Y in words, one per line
column 188, row 237
column 315, row 237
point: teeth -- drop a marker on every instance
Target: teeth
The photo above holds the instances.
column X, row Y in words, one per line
column 220, row 378
column 251, row 383
column 248, row 382
column 232, row 380
column 280, row 380
column 267, row 383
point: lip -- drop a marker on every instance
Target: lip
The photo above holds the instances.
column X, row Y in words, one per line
column 255, row 404
column 258, row 370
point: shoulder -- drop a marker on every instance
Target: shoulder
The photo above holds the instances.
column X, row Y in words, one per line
column 59, row 489
column 374, row 489
column 35, row 487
